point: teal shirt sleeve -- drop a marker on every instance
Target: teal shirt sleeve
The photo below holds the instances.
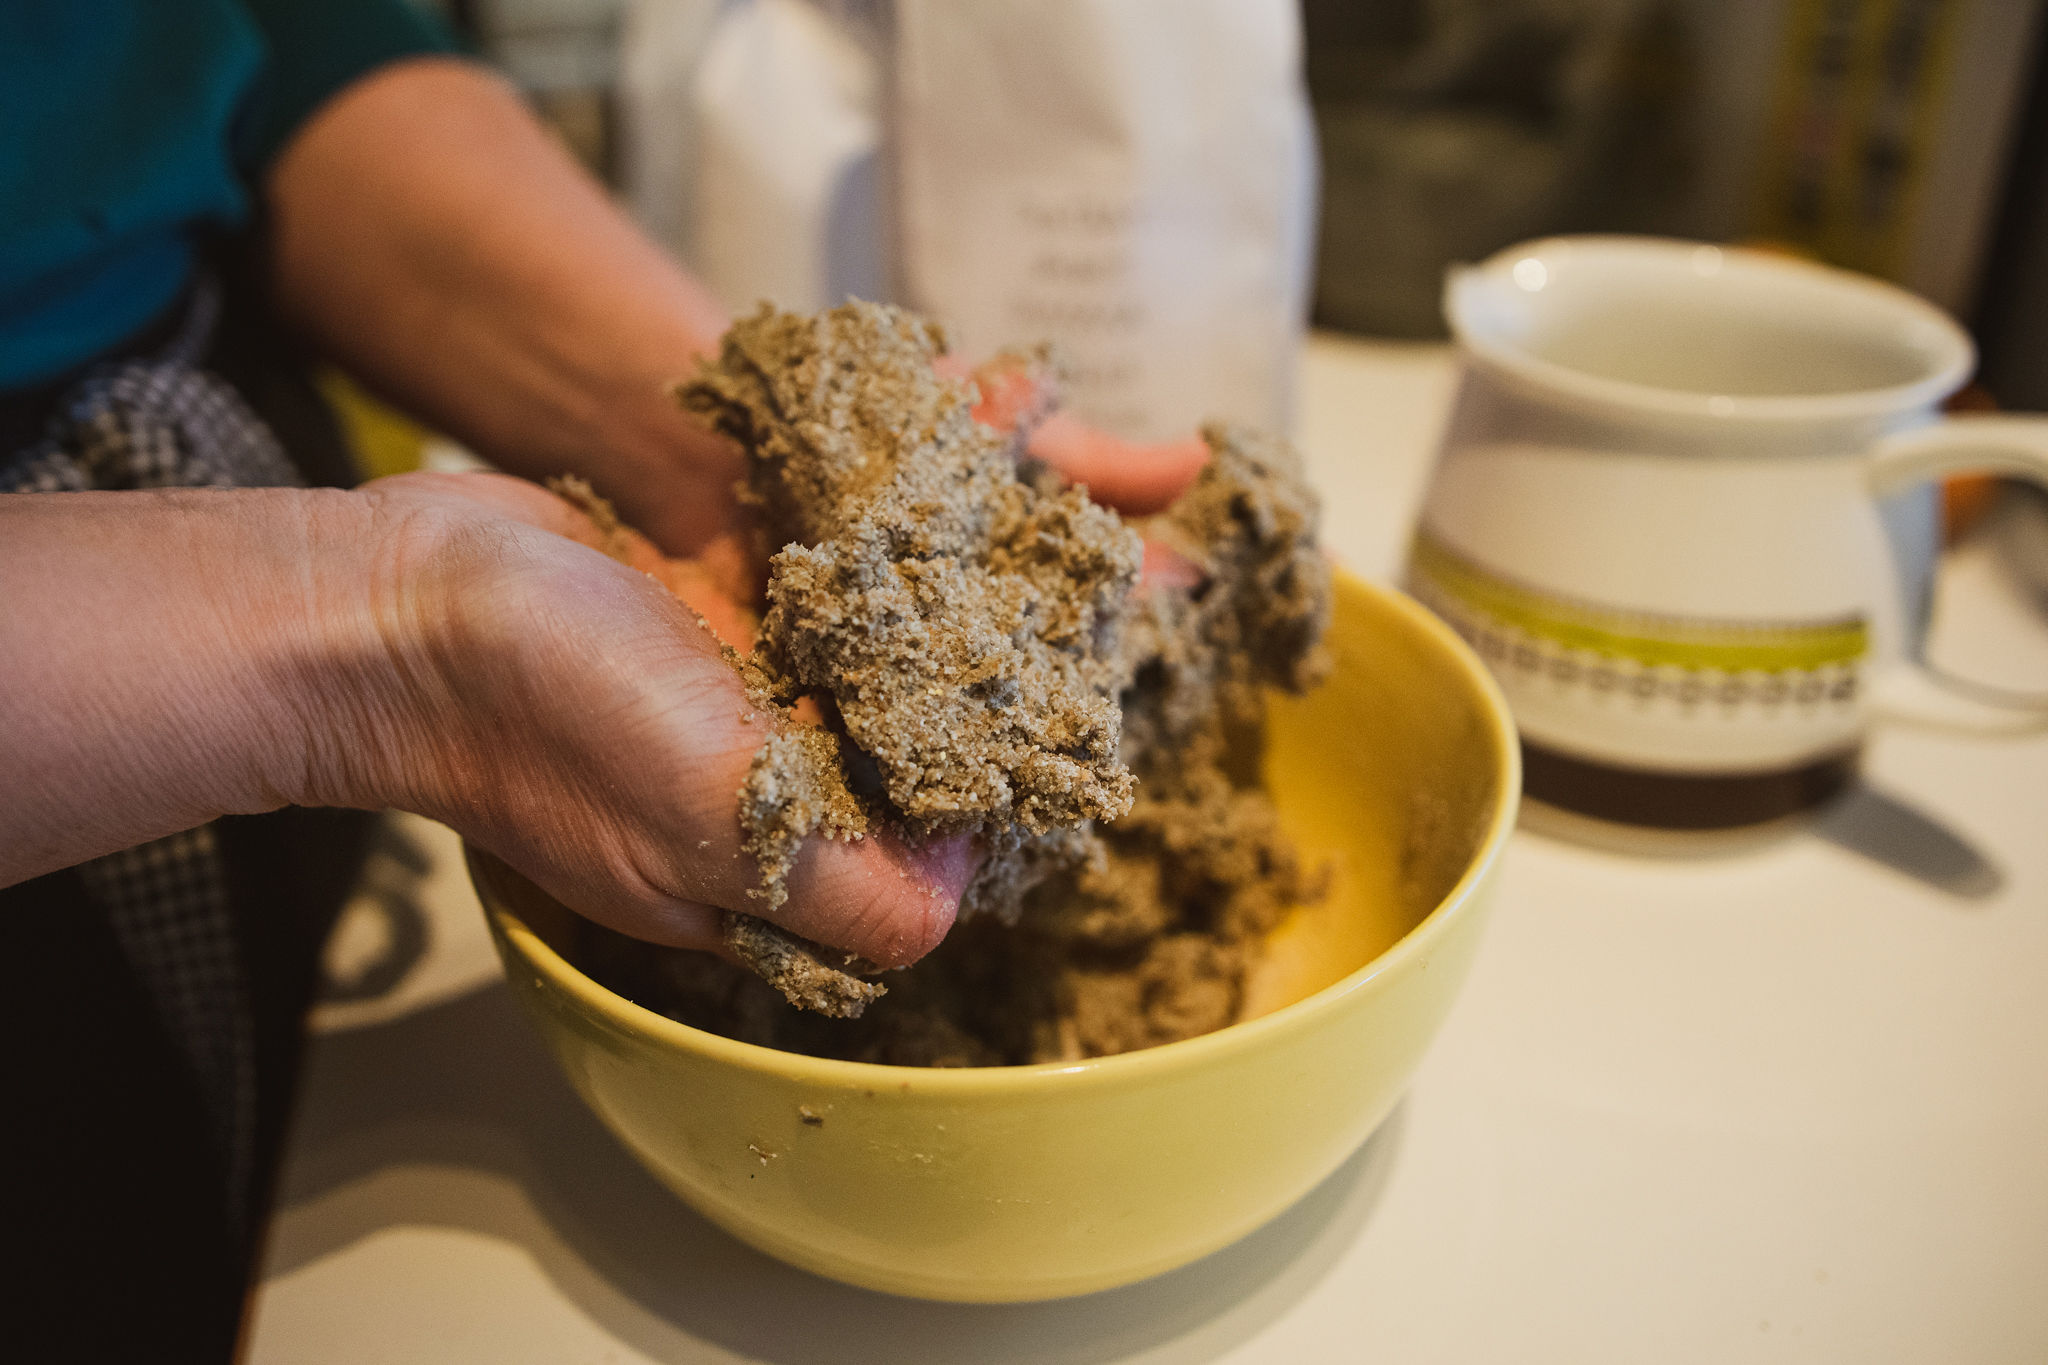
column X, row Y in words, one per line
column 128, row 128
column 315, row 48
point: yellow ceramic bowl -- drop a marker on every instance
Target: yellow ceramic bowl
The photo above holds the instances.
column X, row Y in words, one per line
column 1034, row 1182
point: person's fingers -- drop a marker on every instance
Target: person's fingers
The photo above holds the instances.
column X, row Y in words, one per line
column 730, row 564
column 856, row 903
column 1011, row 391
column 877, row 896
column 696, row 587
column 886, row 900
column 610, row 741
column 670, row 922
column 619, row 792
column 1166, row 567
column 1133, row 477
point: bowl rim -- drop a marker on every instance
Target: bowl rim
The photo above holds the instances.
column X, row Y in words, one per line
column 1249, row 1034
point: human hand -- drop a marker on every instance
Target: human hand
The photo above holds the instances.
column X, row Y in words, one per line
column 567, row 712
column 1136, row 478
column 623, row 861
column 658, row 858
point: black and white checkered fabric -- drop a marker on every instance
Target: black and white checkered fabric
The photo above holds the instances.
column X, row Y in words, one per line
column 160, row 421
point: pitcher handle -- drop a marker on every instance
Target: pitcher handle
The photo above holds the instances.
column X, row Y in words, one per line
column 1968, row 443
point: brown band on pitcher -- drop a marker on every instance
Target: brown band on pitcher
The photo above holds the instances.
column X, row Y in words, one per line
column 1667, row 800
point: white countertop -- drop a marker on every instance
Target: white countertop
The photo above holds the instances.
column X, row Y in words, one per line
column 1787, row 1104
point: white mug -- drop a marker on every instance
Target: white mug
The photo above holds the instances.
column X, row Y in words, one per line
column 1684, row 510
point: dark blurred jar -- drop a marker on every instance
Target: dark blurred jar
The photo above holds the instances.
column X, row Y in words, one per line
column 1451, row 128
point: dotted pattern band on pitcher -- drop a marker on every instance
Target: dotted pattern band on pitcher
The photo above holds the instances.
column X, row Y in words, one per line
column 1531, row 637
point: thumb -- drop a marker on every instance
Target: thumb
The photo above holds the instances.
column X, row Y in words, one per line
column 878, row 896
column 604, row 742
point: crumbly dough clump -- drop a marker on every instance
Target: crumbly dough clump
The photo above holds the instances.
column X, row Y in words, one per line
column 988, row 663
column 962, row 627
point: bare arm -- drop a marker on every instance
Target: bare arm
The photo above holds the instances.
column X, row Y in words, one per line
column 153, row 645
column 434, row 643
column 434, row 238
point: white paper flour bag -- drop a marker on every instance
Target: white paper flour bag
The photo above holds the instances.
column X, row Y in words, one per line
column 1133, row 179
column 753, row 135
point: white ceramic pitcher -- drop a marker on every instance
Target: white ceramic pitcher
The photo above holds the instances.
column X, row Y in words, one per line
column 1661, row 515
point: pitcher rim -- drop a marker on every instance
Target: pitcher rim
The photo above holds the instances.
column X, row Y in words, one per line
column 1951, row 360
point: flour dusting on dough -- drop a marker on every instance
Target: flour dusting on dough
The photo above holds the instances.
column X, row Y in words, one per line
column 988, row 664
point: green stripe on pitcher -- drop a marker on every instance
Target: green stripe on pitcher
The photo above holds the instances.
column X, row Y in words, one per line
column 1644, row 637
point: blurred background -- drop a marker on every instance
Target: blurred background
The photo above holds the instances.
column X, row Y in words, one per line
column 1906, row 138
column 1171, row 190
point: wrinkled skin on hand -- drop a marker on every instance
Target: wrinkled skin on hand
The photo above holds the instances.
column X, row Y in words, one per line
column 587, row 731
column 582, row 726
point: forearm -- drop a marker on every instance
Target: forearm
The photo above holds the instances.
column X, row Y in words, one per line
column 431, row 236
column 163, row 659
column 452, row 645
